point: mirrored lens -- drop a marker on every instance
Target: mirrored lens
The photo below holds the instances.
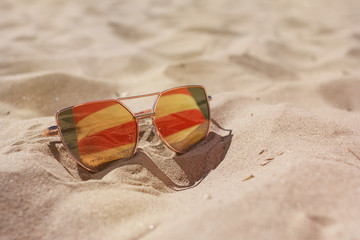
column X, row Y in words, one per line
column 182, row 117
column 98, row 133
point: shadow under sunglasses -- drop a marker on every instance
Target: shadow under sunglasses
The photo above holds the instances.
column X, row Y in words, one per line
column 181, row 171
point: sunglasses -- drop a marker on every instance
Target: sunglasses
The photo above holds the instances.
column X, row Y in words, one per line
column 98, row 133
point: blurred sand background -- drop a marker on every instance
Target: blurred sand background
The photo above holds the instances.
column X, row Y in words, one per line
column 284, row 77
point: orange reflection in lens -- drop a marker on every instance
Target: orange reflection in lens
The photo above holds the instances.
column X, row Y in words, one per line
column 182, row 117
column 99, row 132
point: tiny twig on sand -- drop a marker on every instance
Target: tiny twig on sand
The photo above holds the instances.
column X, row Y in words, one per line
column 354, row 153
column 264, row 163
column 248, row 178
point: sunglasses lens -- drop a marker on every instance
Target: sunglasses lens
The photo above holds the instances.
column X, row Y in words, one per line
column 98, row 133
column 182, row 117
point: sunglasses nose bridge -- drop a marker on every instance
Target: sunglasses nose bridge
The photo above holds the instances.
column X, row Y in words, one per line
column 144, row 115
column 151, row 115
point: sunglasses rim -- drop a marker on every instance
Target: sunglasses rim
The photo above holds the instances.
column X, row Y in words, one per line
column 99, row 101
column 152, row 115
column 156, row 127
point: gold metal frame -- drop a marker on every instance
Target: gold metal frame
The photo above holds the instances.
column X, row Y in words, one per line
column 54, row 130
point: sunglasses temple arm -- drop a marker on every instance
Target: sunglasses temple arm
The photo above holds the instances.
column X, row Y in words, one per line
column 50, row 131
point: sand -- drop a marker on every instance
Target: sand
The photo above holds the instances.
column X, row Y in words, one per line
column 284, row 77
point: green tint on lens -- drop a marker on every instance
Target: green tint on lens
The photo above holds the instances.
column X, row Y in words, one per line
column 98, row 133
column 68, row 131
column 182, row 117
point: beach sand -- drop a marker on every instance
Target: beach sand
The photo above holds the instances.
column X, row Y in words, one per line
column 284, row 77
